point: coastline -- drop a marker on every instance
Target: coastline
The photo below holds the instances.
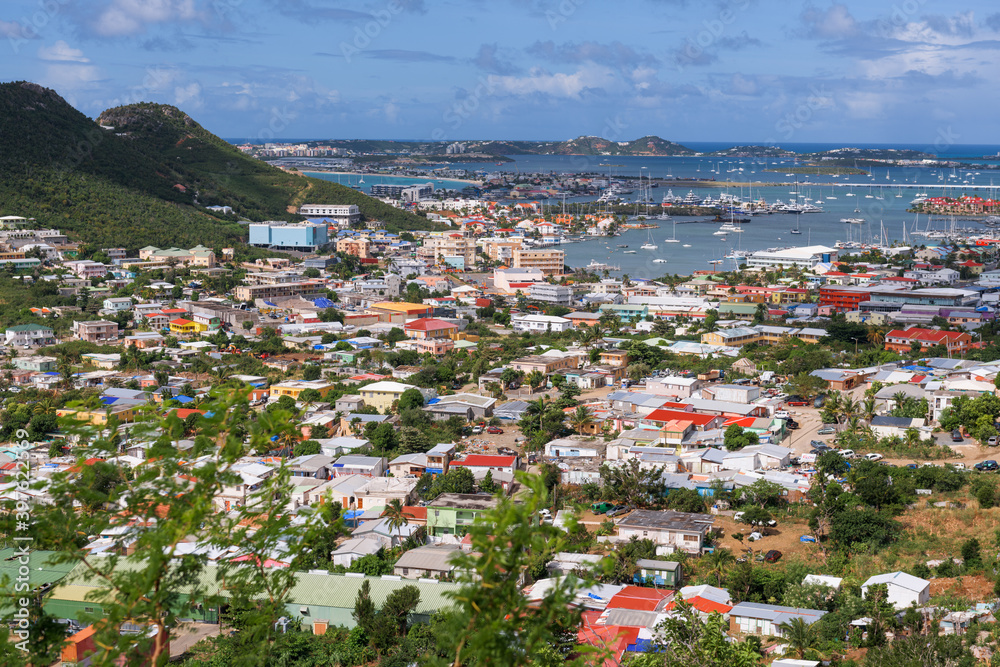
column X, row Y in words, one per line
column 369, row 174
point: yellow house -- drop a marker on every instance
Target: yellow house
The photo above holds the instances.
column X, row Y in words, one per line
column 98, row 417
column 295, row 387
column 383, row 394
column 182, row 326
column 737, row 337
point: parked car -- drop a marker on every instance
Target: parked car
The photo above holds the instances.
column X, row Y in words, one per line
column 874, row 456
column 956, row 436
column 754, row 536
column 797, row 402
column 619, row 510
column 987, row 466
column 601, row 508
column 533, row 459
column 827, row 430
column 959, row 466
column 782, row 414
column 991, row 441
column 848, row 453
column 772, row 556
column 476, row 430
column 495, row 430
column 791, row 424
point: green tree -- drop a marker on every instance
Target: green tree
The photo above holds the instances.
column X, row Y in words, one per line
column 311, row 373
column 801, row 638
column 736, row 438
column 493, row 622
column 411, row 398
column 396, row 515
column 631, row 484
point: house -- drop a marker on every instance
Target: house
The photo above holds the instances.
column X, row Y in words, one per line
column 118, row 304
column 144, row 340
column 887, row 427
column 37, row 364
column 408, row 464
column 439, row 458
column 368, row 466
column 433, row 560
column 26, row 335
column 753, row 618
column 904, row 589
column 380, row 491
column 659, row 573
column 453, row 513
column 429, row 327
column 353, row 549
column 679, row 387
column 955, row 342
column 679, row 531
column 294, row 388
column 382, row 395
column 480, row 407
column 95, row 331
column 540, row 323
column 477, row 463
column 349, row 403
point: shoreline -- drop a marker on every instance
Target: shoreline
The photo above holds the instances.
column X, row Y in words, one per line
column 358, row 173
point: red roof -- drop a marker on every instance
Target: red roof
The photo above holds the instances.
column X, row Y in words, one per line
column 639, row 599
column 745, row 422
column 184, row 413
column 181, row 322
column 928, row 335
column 416, row 513
column 429, row 324
column 486, row 461
column 703, row 605
column 173, row 311
column 662, row 415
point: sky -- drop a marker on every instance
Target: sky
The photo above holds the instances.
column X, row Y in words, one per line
column 778, row 71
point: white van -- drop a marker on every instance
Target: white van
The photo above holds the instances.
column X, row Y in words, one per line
column 782, row 414
column 848, row 453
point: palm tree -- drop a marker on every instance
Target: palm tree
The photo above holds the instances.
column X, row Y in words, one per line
column 876, row 336
column 396, row 515
column 581, row 419
column 849, row 408
column 868, row 408
column 719, row 562
column 800, row 637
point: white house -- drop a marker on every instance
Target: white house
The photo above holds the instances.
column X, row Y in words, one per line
column 680, row 531
column 353, row 549
column 904, row 589
column 540, row 323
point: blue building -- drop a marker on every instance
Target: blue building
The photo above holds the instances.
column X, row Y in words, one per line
column 280, row 235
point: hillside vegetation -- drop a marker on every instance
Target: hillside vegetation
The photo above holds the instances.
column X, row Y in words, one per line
column 145, row 177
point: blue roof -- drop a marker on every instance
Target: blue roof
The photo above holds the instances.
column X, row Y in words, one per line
column 108, row 400
column 270, row 303
column 433, row 401
column 323, row 303
column 181, row 398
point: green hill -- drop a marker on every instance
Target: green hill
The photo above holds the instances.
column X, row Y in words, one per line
column 142, row 175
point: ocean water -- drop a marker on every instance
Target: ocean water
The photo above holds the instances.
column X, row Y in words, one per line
column 880, row 197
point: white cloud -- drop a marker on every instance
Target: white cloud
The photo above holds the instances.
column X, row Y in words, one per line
column 62, row 52
column 130, row 17
column 833, row 23
column 71, row 76
column 189, row 95
column 559, row 84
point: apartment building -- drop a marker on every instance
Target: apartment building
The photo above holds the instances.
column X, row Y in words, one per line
column 95, row 331
column 270, row 292
column 550, row 262
column 343, row 214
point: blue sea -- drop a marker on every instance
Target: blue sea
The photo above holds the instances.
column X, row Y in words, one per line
column 880, row 197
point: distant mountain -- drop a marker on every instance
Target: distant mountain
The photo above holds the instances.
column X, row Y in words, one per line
column 143, row 175
column 753, row 150
column 648, row 145
column 848, row 153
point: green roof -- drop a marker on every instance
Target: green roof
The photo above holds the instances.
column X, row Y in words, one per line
column 29, row 327
column 324, row 590
column 43, row 571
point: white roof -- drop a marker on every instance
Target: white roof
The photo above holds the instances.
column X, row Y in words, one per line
column 901, row 579
column 388, row 386
column 822, row 580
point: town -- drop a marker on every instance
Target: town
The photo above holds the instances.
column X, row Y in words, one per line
column 794, row 456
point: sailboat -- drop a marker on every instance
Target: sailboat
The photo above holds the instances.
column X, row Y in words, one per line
column 673, row 239
column 649, row 245
column 796, row 230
